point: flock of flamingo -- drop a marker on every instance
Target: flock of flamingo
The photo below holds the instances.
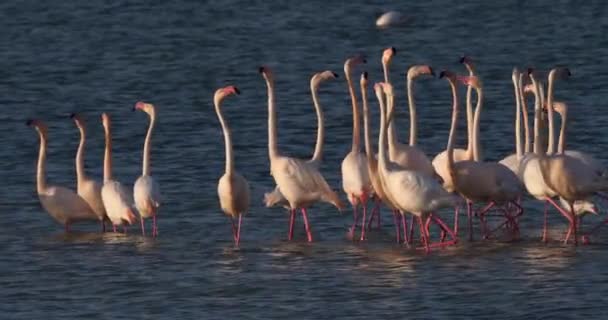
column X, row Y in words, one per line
column 400, row 176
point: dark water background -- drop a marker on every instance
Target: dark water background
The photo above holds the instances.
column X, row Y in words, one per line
column 103, row 56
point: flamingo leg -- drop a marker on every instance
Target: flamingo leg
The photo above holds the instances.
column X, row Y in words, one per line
column 445, row 230
column 238, row 230
column 404, row 225
column 379, row 214
column 154, row 226
column 574, row 223
column 456, row 213
column 372, row 216
column 545, row 221
column 411, row 237
column 233, row 228
column 396, row 217
column 423, row 232
column 103, row 226
column 306, row 225
column 143, row 226
column 292, row 220
column 114, row 228
column 470, row 219
column 364, row 204
column 353, row 228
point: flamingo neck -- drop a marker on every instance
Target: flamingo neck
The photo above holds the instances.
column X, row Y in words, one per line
column 229, row 169
column 356, row 139
column 382, row 157
column 452, row 136
column 412, row 105
column 366, row 130
column 272, row 122
column 41, row 170
column 385, row 69
column 476, row 144
column 551, row 141
column 107, row 161
column 80, row 174
column 524, row 110
column 147, row 143
column 518, row 146
column 470, row 119
column 562, row 133
column 537, row 111
column 318, row 154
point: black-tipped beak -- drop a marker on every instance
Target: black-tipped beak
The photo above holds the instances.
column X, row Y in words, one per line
column 364, row 60
column 568, row 72
column 261, row 69
column 463, row 59
column 72, row 115
column 394, row 50
column 29, row 122
column 442, row 74
column 530, row 70
column 365, row 75
column 134, row 109
column 335, row 75
column 237, row 91
column 432, row 71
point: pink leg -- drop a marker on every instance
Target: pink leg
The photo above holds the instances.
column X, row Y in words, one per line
column 456, row 213
column 306, row 225
column 233, row 229
column 238, row 230
column 154, row 226
column 143, row 226
column 364, row 205
column 353, row 228
column 404, row 224
column 396, row 216
column 103, row 226
column 292, row 220
column 411, row 237
column 470, row 219
column 372, row 216
column 423, row 232
column 114, row 228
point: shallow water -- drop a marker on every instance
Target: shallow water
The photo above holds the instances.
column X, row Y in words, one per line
column 104, row 56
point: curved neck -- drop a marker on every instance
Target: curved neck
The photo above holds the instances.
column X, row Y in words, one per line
column 147, row 143
column 272, row 122
column 562, row 133
column 227, row 138
column 318, row 154
column 41, row 170
column 410, row 100
column 549, row 105
column 452, row 136
column 107, row 161
column 382, row 157
column 470, row 126
column 476, row 144
column 537, row 110
column 385, row 69
column 518, row 146
column 80, row 174
column 524, row 110
column 353, row 97
column 369, row 152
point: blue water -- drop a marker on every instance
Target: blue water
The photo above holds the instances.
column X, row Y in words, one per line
column 103, row 56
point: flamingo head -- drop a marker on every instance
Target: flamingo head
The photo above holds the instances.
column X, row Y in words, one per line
column 38, row 125
column 560, row 107
column 387, row 55
column 363, row 80
column 529, row 88
column 321, row 77
column 222, row 93
column 77, row 118
column 105, row 120
column 560, row 73
column 468, row 63
column 449, row 75
column 515, row 75
column 379, row 92
column 388, row 89
column 145, row 107
column 353, row 62
column 472, row 81
column 266, row 73
column 417, row 70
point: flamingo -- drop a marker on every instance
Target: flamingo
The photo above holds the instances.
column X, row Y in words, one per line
column 232, row 188
column 114, row 195
column 88, row 189
column 300, row 182
column 512, row 161
column 569, row 177
column 63, row 204
column 146, row 191
column 275, row 197
column 409, row 190
column 479, row 181
column 355, row 176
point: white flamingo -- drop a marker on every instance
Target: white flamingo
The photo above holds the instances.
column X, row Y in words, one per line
column 512, row 161
column 146, row 192
column 355, row 176
column 275, row 197
column 232, row 188
column 87, row 188
column 63, row 204
column 409, row 190
column 300, row 182
column 115, row 196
